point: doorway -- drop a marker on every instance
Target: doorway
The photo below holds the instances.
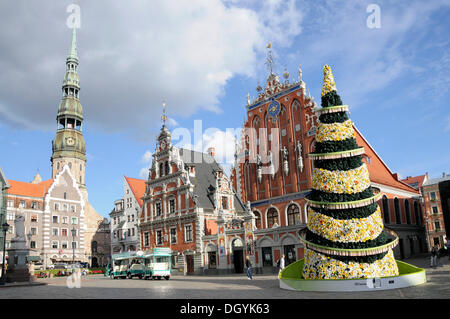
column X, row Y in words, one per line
column 189, row 264
column 238, row 260
column 267, row 256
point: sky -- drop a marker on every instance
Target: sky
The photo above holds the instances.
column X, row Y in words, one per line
column 391, row 65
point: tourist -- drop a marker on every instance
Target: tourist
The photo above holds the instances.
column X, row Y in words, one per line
column 248, row 264
column 281, row 263
column 434, row 255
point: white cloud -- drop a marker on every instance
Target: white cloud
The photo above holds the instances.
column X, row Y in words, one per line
column 133, row 56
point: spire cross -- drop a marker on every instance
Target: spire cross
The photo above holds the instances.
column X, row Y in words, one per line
column 164, row 117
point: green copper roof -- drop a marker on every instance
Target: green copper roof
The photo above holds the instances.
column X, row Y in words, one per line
column 73, row 54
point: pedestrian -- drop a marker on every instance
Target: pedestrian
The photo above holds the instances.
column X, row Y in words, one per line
column 434, row 255
column 448, row 248
column 248, row 264
column 281, row 263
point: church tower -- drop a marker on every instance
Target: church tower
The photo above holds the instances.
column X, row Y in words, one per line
column 68, row 145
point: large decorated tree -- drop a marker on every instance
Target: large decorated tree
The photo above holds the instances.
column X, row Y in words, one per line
column 345, row 236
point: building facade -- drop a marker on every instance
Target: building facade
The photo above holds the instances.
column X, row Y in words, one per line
column 435, row 203
column 125, row 216
column 272, row 171
column 188, row 202
column 59, row 219
column 101, row 244
column 3, row 195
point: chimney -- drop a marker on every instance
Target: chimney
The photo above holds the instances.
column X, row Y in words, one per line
column 212, row 151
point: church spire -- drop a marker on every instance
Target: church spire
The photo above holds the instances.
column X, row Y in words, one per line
column 73, row 53
column 68, row 145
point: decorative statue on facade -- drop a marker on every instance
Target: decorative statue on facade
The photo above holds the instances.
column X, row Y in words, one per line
column 285, row 154
column 300, row 158
column 258, row 167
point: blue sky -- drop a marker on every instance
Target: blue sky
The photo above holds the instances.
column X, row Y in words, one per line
column 203, row 58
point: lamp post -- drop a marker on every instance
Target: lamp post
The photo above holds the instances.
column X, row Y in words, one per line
column 74, row 232
column 5, row 228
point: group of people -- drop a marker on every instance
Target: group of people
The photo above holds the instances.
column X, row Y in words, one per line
column 435, row 254
column 280, row 264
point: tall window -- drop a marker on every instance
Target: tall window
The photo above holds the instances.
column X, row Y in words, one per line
column 188, row 233
column 437, row 225
column 55, row 245
column 435, row 209
column 146, row 239
column 172, row 205
column 64, row 232
column 272, row 217
column 161, row 169
column 385, row 204
column 167, row 168
column 32, row 244
column 407, row 212
column 173, row 235
column 433, row 196
column 158, row 208
column 257, row 219
column 416, row 212
column 398, row 219
column 293, row 214
column 94, row 246
column 224, row 202
column 159, row 239
column 55, row 219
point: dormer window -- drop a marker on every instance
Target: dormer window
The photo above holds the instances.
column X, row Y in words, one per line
column 224, row 202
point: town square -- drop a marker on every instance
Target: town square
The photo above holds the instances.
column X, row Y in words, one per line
column 224, row 150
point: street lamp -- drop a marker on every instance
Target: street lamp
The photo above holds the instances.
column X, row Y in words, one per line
column 5, row 228
column 74, row 232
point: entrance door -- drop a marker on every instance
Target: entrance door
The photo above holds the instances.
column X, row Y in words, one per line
column 189, row 264
column 238, row 260
column 267, row 256
column 289, row 253
column 212, row 260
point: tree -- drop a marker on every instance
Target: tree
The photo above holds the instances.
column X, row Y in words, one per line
column 345, row 236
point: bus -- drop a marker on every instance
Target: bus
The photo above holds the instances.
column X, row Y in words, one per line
column 158, row 264
column 127, row 265
column 155, row 264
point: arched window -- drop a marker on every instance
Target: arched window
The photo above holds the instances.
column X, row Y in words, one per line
column 293, row 215
column 407, row 212
column 167, row 168
column 416, row 213
column 385, row 204
column 161, row 169
column 272, row 217
column 398, row 219
column 257, row 219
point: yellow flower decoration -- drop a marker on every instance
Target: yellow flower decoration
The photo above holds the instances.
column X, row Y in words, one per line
column 328, row 80
column 348, row 182
column 319, row 266
column 335, row 131
column 346, row 230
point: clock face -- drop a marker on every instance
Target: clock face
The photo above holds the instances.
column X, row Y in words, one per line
column 70, row 141
column 274, row 108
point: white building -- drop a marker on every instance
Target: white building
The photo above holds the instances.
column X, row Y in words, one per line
column 125, row 216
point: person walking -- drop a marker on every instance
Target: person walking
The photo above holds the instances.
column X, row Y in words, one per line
column 248, row 264
column 434, row 255
column 281, row 263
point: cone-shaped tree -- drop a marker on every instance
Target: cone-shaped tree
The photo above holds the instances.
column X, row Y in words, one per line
column 345, row 236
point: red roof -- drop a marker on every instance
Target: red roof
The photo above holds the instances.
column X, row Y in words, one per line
column 378, row 170
column 415, row 181
column 137, row 187
column 29, row 189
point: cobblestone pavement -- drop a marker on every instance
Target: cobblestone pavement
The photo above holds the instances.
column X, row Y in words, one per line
column 220, row 287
